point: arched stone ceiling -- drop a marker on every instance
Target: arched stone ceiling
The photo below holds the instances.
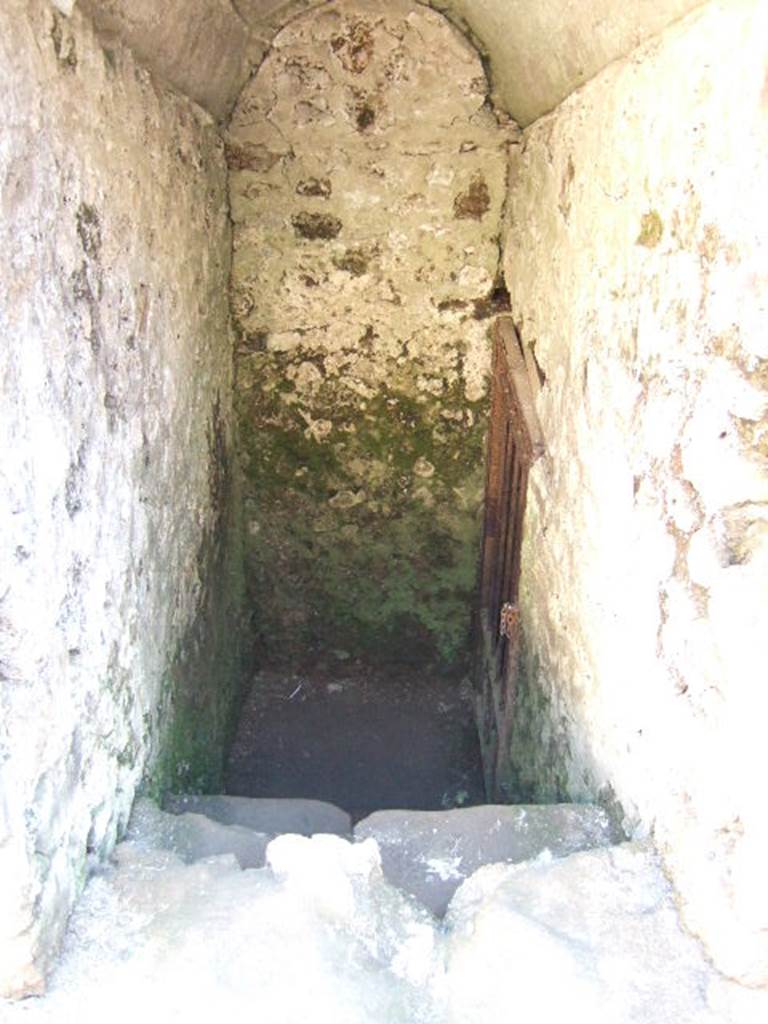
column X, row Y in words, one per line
column 537, row 52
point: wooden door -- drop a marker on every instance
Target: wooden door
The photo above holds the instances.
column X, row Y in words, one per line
column 514, row 443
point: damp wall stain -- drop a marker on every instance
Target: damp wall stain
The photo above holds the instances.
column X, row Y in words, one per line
column 365, row 271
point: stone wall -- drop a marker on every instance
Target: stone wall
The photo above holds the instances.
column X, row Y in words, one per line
column 117, row 581
column 636, row 257
column 367, row 189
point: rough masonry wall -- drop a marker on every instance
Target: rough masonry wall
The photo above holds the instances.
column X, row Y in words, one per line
column 366, row 192
column 636, row 259
column 115, row 487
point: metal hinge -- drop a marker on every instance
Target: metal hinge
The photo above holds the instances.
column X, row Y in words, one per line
column 509, row 621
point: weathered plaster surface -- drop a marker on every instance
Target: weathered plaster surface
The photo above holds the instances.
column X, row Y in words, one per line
column 538, row 53
column 202, row 47
column 366, row 194
column 115, row 371
column 636, row 259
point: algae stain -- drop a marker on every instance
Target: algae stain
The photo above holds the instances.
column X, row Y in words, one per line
column 89, row 230
column 344, row 552
column 651, row 230
column 63, row 44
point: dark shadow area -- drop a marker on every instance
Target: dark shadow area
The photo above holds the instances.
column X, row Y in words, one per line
column 360, row 737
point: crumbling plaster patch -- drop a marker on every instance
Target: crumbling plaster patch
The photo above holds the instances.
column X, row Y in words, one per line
column 115, row 497
column 366, row 195
column 635, row 258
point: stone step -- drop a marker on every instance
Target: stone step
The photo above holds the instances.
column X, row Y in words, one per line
column 426, row 854
column 592, row 937
column 194, row 837
column 197, row 827
column 320, row 935
column 430, row 853
column 268, row 815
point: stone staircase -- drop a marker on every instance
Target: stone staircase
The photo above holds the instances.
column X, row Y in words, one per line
column 426, row 854
column 283, row 911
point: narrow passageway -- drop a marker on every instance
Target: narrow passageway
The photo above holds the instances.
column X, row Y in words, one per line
column 366, row 194
column 383, row 397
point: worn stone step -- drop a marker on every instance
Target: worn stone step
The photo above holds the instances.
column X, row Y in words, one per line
column 429, row 853
column 193, row 837
column 271, row 816
column 591, row 937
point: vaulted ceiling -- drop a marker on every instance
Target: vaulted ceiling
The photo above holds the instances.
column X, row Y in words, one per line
column 537, row 52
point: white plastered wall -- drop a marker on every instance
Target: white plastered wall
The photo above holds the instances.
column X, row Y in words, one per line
column 115, row 366
column 636, row 256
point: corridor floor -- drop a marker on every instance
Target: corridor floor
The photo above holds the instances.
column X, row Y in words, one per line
column 363, row 738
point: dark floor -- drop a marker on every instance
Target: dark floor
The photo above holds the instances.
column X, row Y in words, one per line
column 364, row 739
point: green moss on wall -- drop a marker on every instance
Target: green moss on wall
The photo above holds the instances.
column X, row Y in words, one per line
column 202, row 689
column 651, row 230
column 366, row 538
column 366, row 261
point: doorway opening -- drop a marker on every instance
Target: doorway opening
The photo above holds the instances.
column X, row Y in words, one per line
column 367, row 194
